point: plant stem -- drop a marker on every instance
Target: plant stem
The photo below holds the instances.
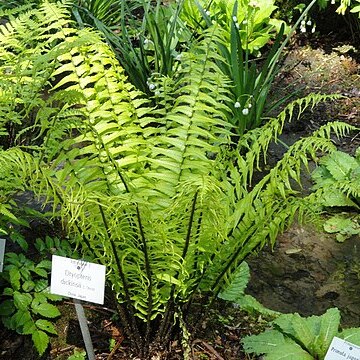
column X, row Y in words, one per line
column 130, row 314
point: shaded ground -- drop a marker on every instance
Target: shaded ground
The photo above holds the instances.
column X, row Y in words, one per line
column 307, row 271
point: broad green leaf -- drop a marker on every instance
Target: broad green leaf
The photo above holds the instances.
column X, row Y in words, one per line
column 29, row 327
column 335, row 197
column 41, row 272
column 78, row 355
column 41, row 284
column 46, row 310
column 340, row 164
column 291, row 351
column 352, row 335
column 342, row 225
column 46, row 264
column 46, row 325
column 329, row 327
column 303, row 333
column 264, row 343
column 22, row 301
column 284, row 322
column 52, row 297
column 19, row 319
column 41, row 341
column 8, row 291
column 28, row 285
column 15, row 278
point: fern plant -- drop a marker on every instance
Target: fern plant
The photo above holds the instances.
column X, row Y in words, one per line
column 159, row 195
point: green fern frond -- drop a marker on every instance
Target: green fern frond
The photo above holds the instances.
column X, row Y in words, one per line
column 260, row 214
column 254, row 144
column 195, row 127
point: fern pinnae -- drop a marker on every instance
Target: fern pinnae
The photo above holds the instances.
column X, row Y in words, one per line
column 129, row 313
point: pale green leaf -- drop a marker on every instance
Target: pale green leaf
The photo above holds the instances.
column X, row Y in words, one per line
column 41, row 341
column 46, row 310
column 46, row 325
column 21, row 300
column 264, row 343
column 329, row 327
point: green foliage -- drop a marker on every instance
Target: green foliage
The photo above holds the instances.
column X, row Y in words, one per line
column 356, row 8
column 252, row 19
column 25, row 306
column 235, row 292
column 337, row 179
column 295, row 337
column 250, row 82
column 78, row 355
column 146, row 45
column 339, row 175
column 160, row 195
column 343, row 5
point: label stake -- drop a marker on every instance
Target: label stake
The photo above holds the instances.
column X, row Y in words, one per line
column 84, row 329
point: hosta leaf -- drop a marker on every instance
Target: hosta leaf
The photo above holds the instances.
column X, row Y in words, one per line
column 46, row 310
column 46, row 325
column 41, row 341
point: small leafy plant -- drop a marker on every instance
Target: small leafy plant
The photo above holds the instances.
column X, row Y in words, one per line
column 295, row 337
column 26, row 306
column 338, row 175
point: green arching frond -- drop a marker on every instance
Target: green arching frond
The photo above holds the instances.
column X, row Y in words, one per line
column 254, row 144
column 195, row 127
column 260, row 214
column 25, row 68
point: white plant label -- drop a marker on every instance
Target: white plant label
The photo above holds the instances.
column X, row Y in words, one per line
column 342, row 350
column 2, row 253
column 77, row 279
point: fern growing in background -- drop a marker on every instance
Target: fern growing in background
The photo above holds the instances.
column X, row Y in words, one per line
column 159, row 195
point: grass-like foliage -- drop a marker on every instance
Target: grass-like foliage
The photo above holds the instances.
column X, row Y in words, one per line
column 159, row 195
